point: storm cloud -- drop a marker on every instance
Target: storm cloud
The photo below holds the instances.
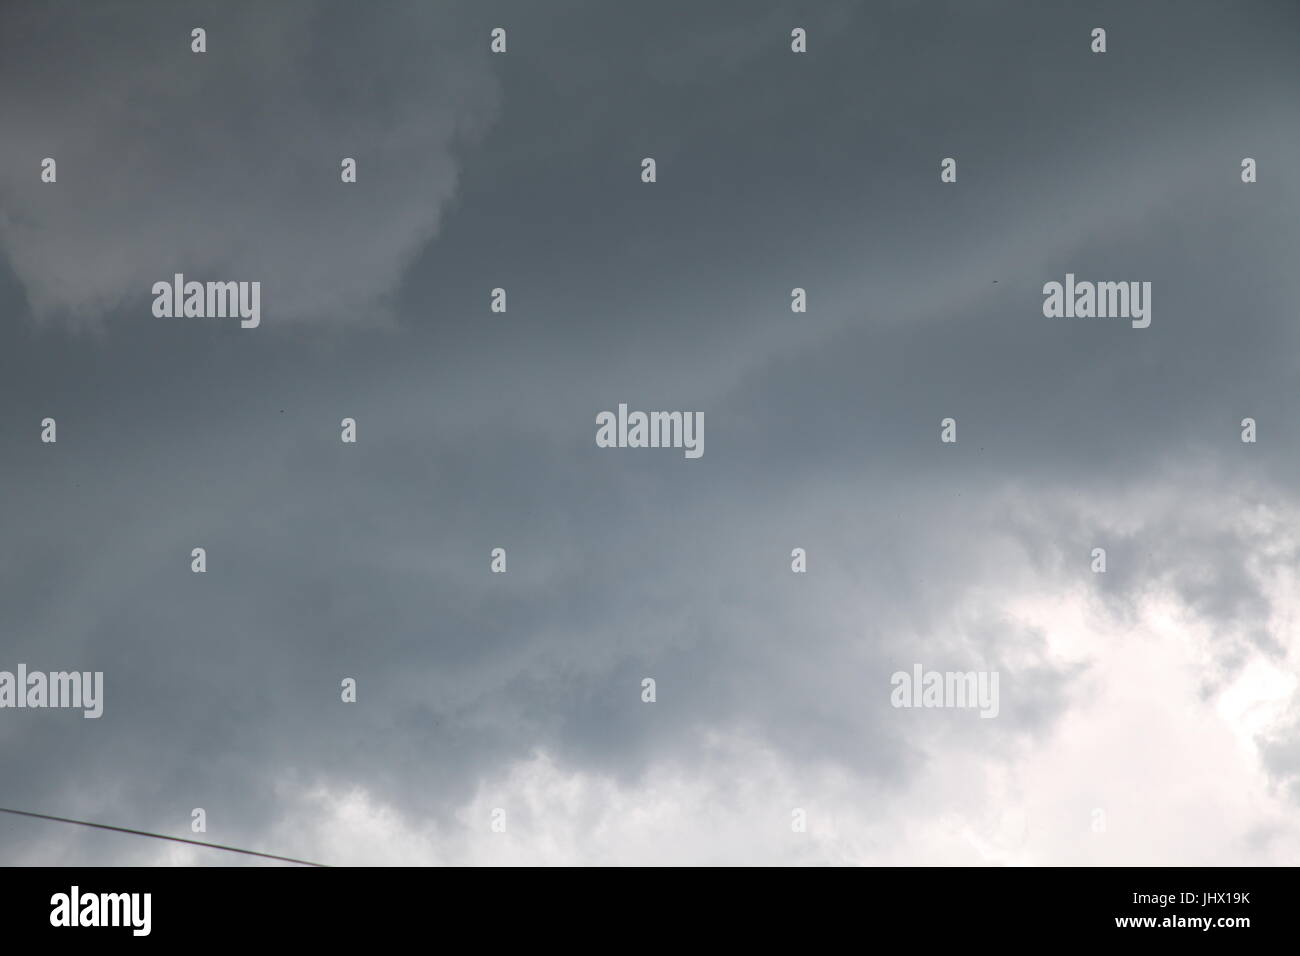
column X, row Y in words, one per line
column 1159, row 698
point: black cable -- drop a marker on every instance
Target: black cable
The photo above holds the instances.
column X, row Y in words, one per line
column 159, row 836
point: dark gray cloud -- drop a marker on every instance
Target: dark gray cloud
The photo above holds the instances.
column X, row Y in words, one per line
column 226, row 163
column 476, row 430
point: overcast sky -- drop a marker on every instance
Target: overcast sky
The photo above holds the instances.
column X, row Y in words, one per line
column 1160, row 698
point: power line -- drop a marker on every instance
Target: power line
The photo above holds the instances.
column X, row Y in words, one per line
column 159, row 836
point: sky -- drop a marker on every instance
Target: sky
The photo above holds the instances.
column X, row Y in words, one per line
column 1148, row 715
